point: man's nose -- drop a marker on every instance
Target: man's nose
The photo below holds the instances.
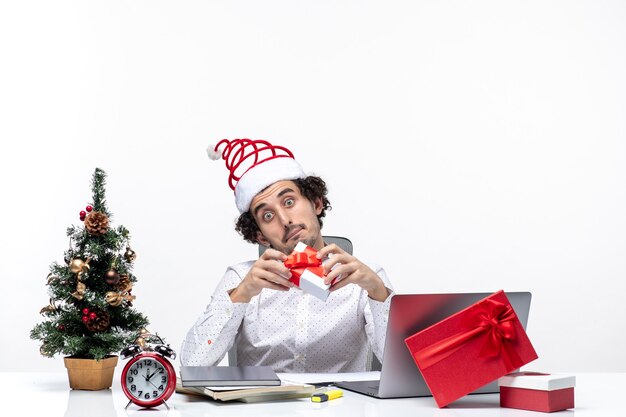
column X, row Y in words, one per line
column 284, row 218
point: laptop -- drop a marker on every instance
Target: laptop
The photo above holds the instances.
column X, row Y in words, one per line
column 408, row 314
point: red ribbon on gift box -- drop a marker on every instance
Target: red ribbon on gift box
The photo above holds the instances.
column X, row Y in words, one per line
column 491, row 320
column 298, row 262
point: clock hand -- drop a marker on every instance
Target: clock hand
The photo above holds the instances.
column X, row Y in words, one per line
column 151, row 375
column 152, row 384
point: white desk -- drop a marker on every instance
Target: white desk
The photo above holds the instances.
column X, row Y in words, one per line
column 48, row 395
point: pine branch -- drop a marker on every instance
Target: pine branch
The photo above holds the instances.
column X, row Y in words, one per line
column 98, row 184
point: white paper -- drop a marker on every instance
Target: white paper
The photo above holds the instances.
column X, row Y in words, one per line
column 238, row 387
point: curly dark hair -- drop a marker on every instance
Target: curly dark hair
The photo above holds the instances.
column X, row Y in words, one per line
column 310, row 187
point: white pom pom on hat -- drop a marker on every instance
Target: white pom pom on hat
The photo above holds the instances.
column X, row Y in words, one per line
column 212, row 153
column 253, row 165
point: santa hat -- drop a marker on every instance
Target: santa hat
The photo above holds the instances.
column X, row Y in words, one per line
column 253, row 166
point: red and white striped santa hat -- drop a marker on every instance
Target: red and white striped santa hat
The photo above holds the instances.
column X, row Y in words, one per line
column 253, row 166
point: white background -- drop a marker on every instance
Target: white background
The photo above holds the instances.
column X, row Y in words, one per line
column 468, row 146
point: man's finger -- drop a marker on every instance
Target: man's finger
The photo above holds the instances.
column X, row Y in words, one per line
column 277, row 268
column 340, row 284
column 273, row 254
column 328, row 249
column 276, row 279
column 335, row 273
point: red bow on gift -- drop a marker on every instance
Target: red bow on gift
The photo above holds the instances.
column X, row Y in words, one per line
column 491, row 320
column 298, row 262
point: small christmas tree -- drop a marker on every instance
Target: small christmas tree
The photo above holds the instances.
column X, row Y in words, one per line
column 90, row 313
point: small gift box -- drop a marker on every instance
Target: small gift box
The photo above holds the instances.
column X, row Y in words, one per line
column 471, row 348
column 537, row 392
column 307, row 271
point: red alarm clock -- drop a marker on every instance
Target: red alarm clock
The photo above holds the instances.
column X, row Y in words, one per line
column 148, row 379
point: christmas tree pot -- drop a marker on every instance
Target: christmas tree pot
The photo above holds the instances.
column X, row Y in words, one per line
column 90, row 374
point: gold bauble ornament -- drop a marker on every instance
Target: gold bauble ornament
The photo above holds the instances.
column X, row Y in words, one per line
column 141, row 342
column 130, row 254
column 78, row 265
column 142, row 339
column 43, row 350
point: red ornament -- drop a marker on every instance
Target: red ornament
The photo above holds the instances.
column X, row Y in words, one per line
column 85, row 319
column 89, row 208
column 92, row 315
column 85, row 311
column 61, row 327
column 83, row 213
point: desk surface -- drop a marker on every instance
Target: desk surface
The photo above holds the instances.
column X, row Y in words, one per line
column 48, row 394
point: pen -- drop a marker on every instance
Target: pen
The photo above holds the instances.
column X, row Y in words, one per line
column 326, row 396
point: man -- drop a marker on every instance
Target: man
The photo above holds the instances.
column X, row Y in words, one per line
column 256, row 307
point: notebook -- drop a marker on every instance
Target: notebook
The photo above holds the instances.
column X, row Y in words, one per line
column 408, row 314
column 228, row 376
column 249, row 395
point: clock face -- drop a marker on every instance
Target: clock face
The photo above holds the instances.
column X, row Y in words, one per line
column 148, row 379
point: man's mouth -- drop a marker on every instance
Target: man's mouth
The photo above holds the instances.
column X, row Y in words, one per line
column 292, row 231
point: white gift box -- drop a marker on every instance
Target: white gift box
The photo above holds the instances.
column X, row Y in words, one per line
column 308, row 281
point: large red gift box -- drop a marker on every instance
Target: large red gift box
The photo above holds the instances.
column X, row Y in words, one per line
column 307, row 271
column 537, row 392
column 471, row 348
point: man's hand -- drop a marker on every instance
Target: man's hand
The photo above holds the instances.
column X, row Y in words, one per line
column 352, row 271
column 267, row 272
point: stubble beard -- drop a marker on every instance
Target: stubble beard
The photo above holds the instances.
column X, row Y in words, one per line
column 290, row 247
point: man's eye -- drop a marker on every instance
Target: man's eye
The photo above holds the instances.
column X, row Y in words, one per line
column 289, row 202
column 268, row 216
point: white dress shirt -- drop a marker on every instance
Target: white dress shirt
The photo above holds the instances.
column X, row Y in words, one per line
column 291, row 331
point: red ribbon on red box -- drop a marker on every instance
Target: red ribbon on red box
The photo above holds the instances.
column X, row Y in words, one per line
column 491, row 320
column 298, row 262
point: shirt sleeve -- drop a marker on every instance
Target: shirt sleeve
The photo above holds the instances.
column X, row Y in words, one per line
column 214, row 332
column 376, row 315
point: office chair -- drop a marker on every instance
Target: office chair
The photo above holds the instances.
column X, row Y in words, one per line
column 343, row 242
column 372, row 364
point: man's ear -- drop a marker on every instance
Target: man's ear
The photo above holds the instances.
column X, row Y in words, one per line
column 262, row 239
column 318, row 205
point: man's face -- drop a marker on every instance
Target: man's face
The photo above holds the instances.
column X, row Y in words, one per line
column 285, row 217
